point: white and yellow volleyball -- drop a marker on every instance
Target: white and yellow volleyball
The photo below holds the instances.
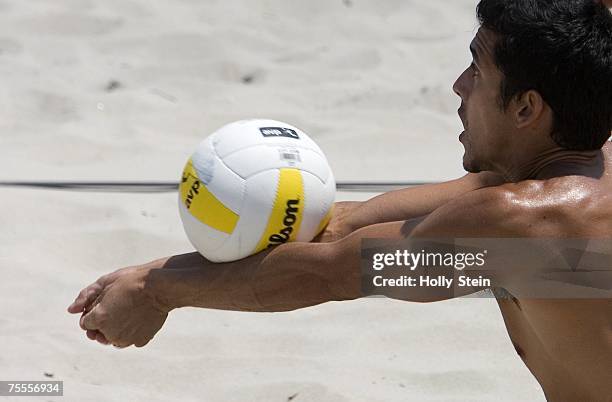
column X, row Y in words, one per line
column 254, row 184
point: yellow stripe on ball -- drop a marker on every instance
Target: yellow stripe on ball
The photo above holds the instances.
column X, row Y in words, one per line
column 203, row 205
column 286, row 216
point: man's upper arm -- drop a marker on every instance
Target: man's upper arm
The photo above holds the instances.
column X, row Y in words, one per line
column 486, row 212
column 476, row 214
column 416, row 202
column 490, row 213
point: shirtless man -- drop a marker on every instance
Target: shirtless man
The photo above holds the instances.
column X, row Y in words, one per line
column 537, row 111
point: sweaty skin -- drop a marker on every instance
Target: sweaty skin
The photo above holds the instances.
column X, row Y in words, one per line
column 566, row 344
column 547, row 191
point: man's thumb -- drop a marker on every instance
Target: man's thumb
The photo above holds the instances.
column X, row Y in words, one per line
column 90, row 320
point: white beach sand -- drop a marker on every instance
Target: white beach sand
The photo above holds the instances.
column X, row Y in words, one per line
column 370, row 81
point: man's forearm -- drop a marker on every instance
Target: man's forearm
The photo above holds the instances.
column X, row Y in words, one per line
column 415, row 202
column 289, row 277
column 297, row 275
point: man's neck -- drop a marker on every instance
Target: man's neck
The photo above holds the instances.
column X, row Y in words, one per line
column 556, row 162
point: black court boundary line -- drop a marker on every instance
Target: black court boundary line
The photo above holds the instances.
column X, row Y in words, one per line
column 167, row 187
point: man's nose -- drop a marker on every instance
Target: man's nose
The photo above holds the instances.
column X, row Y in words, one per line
column 459, row 85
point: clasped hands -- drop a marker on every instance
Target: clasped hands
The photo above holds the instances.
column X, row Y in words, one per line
column 120, row 309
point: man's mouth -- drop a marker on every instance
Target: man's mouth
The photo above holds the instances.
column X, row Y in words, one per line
column 461, row 117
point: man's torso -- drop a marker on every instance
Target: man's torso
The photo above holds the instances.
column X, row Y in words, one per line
column 566, row 343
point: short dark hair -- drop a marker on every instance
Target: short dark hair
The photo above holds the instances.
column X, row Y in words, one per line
column 563, row 50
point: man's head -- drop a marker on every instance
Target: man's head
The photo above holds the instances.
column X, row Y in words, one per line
column 541, row 76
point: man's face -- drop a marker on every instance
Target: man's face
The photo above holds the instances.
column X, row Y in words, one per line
column 486, row 134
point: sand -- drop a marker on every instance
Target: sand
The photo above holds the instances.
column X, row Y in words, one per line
column 124, row 90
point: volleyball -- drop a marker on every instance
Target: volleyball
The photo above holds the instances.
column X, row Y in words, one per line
column 254, row 184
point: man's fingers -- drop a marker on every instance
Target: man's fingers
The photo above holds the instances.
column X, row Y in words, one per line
column 101, row 338
column 85, row 298
column 140, row 344
column 90, row 320
column 82, row 322
column 95, row 335
column 91, row 292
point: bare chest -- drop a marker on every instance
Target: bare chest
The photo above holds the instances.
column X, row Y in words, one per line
column 566, row 344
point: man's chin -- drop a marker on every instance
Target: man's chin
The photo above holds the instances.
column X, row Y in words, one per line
column 470, row 166
column 470, row 169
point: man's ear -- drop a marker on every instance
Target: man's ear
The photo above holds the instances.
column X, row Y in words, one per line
column 528, row 108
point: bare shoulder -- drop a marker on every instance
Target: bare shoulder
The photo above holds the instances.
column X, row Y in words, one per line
column 486, row 212
column 560, row 206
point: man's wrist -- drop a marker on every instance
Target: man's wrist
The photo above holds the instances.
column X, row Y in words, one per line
column 161, row 286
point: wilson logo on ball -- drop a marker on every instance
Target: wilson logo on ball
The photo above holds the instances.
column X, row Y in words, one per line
column 289, row 220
